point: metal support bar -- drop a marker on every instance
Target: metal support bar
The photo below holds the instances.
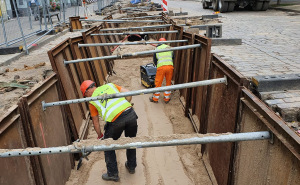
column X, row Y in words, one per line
column 131, row 43
column 118, row 20
column 20, row 38
column 36, row 40
column 20, row 26
column 78, row 147
column 143, row 17
column 133, row 54
column 3, row 27
column 138, row 92
column 135, row 33
column 141, row 27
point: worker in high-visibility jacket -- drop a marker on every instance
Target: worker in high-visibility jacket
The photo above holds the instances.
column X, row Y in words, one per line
column 164, row 64
column 119, row 116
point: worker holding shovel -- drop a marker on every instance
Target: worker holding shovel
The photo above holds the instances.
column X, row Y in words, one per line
column 164, row 64
column 119, row 116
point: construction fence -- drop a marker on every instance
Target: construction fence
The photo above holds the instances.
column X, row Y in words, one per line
column 25, row 22
column 212, row 109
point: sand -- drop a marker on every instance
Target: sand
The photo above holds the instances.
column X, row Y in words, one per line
column 163, row 165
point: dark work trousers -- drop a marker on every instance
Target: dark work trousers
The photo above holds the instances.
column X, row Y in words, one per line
column 127, row 121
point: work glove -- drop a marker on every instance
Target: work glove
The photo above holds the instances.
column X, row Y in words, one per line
column 101, row 137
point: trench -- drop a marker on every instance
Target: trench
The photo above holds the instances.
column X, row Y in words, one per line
column 219, row 108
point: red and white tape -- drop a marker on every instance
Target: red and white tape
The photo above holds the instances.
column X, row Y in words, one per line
column 164, row 5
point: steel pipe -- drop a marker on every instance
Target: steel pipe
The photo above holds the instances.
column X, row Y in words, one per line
column 133, row 54
column 131, row 43
column 149, row 16
column 134, row 33
column 20, row 38
column 3, row 28
column 204, row 139
column 36, row 40
column 138, row 92
column 118, row 20
column 141, row 27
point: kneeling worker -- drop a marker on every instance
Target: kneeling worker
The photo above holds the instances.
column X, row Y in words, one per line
column 119, row 116
column 164, row 64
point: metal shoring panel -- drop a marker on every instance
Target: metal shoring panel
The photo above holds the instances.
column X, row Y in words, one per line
column 149, row 16
column 118, row 20
column 220, row 138
column 134, row 33
column 140, row 27
column 133, row 54
column 138, row 92
column 131, row 43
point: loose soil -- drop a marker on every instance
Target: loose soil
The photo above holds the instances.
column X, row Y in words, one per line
column 161, row 165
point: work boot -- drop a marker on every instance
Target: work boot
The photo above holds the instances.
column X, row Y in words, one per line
column 131, row 171
column 151, row 100
column 106, row 177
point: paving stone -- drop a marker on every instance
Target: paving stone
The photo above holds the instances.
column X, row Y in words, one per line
column 294, row 105
column 289, row 114
column 274, row 102
column 293, row 99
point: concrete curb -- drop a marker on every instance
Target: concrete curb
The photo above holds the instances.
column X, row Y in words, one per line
column 41, row 44
column 284, row 9
column 290, row 8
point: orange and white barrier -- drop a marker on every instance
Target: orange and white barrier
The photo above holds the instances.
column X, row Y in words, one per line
column 164, row 5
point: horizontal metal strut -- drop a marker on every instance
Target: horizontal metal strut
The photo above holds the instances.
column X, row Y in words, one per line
column 135, row 33
column 131, row 43
column 143, row 17
column 140, row 27
column 133, row 54
column 139, row 92
column 204, row 139
column 118, row 20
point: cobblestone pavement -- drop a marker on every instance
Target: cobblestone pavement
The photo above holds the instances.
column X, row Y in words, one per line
column 270, row 42
column 270, row 46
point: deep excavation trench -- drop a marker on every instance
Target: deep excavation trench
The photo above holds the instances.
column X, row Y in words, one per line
column 161, row 165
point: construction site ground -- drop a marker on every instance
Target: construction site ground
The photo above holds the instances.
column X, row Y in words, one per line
column 270, row 45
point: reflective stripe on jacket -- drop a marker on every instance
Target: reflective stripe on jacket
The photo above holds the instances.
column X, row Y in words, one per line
column 111, row 107
column 164, row 58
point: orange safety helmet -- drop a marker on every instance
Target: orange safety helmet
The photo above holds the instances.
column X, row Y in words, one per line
column 86, row 85
column 162, row 39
